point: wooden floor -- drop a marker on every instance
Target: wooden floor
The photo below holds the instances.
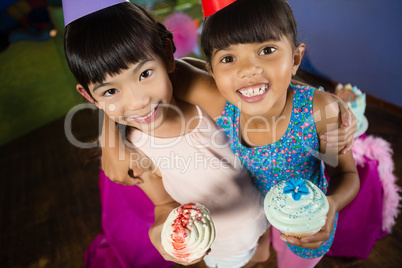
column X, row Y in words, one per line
column 49, row 198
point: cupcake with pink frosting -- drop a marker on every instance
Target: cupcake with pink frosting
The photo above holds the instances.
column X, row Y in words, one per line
column 188, row 232
column 296, row 207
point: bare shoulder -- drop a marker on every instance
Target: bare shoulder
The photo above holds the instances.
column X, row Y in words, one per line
column 326, row 111
column 324, row 101
column 195, row 85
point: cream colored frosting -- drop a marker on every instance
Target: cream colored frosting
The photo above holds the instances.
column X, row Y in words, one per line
column 290, row 216
column 188, row 232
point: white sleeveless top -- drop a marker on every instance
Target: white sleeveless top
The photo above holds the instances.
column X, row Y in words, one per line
column 200, row 167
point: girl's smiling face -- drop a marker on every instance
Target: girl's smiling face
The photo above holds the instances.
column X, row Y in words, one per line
column 255, row 76
column 137, row 96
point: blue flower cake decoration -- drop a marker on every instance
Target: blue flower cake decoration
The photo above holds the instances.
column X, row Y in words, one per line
column 297, row 188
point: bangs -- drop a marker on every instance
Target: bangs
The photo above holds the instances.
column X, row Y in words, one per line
column 256, row 21
column 115, row 38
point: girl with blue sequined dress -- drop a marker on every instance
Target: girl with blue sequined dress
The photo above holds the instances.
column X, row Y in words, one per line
column 273, row 126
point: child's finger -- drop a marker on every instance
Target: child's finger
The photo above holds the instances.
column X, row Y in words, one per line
column 343, row 131
column 197, row 260
column 290, row 239
column 346, row 113
column 352, row 120
column 314, row 245
column 312, row 242
column 335, row 136
column 343, row 138
column 321, row 236
column 348, row 147
column 346, row 117
column 344, row 141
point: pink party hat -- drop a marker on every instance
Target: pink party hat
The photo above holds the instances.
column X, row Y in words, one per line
column 75, row 9
column 209, row 7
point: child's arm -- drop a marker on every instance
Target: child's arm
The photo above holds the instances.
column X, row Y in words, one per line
column 116, row 156
column 193, row 84
column 344, row 181
column 201, row 90
column 341, row 168
column 153, row 187
column 344, row 135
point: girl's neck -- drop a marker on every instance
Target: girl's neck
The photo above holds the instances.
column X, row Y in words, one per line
column 269, row 127
column 178, row 121
column 273, row 115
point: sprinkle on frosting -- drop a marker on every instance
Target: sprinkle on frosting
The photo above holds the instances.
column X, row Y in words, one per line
column 297, row 188
column 188, row 232
column 292, row 209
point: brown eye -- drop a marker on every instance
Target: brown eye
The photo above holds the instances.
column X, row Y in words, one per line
column 267, row 50
column 110, row 92
column 145, row 74
column 227, row 59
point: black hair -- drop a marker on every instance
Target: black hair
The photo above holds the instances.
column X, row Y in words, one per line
column 106, row 42
column 248, row 21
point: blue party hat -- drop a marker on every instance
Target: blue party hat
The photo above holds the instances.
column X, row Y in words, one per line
column 75, row 9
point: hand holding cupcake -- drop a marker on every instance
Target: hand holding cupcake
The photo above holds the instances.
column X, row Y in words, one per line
column 188, row 232
column 296, row 207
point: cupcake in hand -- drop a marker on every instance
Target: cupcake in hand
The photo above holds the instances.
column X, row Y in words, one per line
column 296, row 207
column 188, row 232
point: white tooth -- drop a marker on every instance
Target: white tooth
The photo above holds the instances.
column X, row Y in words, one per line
column 253, row 92
column 148, row 115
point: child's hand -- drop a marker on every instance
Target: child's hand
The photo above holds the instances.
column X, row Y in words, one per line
column 116, row 156
column 155, row 235
column 117, row 170
column 344, row 136
column 316, row 240
column 167, row 257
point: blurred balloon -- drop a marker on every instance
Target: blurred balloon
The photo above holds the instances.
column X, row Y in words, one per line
column 185, row 33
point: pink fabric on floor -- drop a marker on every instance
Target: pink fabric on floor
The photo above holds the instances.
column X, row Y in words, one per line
column 375, row 148
column 100, row 254
column 127, row 215
column 286, row 258
column 360, row 223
